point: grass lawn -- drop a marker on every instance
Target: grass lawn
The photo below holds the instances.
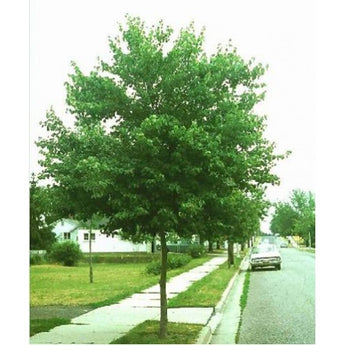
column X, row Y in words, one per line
column 60, row 285
column 148, row 333
column 208, row 291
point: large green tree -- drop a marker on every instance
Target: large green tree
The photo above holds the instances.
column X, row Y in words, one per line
column 163, row 135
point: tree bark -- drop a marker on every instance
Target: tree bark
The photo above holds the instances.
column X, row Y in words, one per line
column 163, row 327
column 210, row 246
column 153, row 245
column 230, row 252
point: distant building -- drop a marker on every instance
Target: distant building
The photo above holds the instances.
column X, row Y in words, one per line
column 72, row 230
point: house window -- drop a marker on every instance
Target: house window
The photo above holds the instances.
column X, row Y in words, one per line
column 66, row 236
column 86, row 236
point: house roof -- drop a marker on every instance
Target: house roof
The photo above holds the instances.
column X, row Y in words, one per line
column 66, row 225
column 69, row 225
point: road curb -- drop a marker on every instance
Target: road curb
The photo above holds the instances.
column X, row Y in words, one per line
column 208, row 330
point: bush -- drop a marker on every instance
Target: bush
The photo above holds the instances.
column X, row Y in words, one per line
column 197, row 250
column 174, row 261
column 154, row 267
column 68, row 253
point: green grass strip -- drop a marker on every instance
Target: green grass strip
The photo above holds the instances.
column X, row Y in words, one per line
column 44, row 325
column 148, row 333
column 208, row 291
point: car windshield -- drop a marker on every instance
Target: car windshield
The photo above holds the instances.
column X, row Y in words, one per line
column 263, row 249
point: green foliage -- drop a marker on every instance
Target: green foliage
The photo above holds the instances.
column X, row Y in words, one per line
column 197, row 250
column 68, row 253
column 174, row 261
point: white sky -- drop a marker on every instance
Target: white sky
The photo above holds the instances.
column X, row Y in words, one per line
column 277, row 33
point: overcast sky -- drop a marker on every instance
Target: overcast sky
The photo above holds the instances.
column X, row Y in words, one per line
column 277, row 33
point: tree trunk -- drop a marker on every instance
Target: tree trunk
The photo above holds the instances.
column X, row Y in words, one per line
column 90, row 257
column 230, row 252
column 218, row 244
column 153, row 245
column 163, row 327
column 210, row 246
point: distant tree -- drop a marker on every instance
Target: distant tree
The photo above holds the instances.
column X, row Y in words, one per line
column 304, row 206
column 283, row 219
column 296, row 217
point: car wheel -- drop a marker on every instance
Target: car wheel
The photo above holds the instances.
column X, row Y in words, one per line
column 252, row 268
column 278, row 267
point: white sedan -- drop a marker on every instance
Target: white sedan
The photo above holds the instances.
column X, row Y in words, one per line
column 265, row 256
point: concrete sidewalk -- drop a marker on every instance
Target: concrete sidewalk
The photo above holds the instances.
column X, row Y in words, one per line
column 103, row 325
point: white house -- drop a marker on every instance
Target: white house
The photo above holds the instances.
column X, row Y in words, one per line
column 68, row 229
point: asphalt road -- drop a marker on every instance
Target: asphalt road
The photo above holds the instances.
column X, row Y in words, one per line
column 281, row 304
